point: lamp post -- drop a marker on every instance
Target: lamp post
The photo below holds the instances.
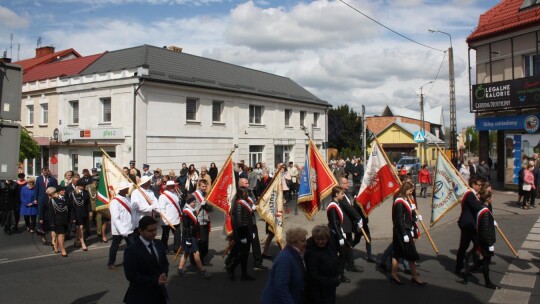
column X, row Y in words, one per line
column 424, row 158
column 453, row 124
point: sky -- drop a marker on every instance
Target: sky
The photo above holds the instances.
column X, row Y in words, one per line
column 334, row 51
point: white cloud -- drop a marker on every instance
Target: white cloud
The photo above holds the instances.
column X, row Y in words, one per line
column 10, row 19
column 100, row 3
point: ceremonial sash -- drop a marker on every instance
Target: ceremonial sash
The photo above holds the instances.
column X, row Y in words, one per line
column 465, row 197
column 191, row 215
column 173, row 203
column 479, row 215
column 405, row 203
column 333, row 205
column 123, row 204
column 246, row 205
column 198, row 196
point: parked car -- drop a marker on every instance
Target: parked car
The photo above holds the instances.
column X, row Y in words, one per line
column 411, row 163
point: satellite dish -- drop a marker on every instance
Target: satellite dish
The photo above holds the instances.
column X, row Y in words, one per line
column 55, row 134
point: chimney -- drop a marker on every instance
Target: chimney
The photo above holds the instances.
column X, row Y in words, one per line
column 44, row 51
column 175, row 49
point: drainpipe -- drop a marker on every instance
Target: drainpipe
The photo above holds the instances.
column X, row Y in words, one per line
column 135, row 92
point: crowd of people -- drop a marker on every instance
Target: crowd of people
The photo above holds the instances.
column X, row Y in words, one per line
column 305, row 270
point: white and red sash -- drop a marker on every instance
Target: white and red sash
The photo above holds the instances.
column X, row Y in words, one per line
column 173, row 203
column 479, row 216
column 123, row 204
column 198, row 195
column 405, row 203
column 465, row 197
column 246, row 205
column 333, row 205
column 190, row 213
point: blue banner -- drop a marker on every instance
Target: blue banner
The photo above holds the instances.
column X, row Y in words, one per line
column 528, row 123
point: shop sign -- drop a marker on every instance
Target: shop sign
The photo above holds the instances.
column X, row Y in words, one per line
column 517, row 93
column 527, row 122
column 83, row 134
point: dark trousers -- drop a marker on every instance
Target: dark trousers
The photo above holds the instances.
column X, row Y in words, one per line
column 239, row 255
column 526, row 197
column 30, row 221
column 204, row 234
column 533, row 196
column 165, row 236
column 115, row 244
column 358, row 237
column 256, row 244
column 468, row 235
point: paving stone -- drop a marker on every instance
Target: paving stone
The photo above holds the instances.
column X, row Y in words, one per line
column 510, row 296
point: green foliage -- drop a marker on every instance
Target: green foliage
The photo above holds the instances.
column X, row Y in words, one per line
column 29, row 148
column 345, row 131
column 472, row 143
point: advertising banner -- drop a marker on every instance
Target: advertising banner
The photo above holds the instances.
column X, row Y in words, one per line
column 517, row 93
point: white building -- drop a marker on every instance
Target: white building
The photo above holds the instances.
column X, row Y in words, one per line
column 163, row 107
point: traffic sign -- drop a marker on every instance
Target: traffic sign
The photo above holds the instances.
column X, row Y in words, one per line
column 419, row 136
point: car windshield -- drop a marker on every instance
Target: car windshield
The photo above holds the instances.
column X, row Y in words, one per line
column 409, row 161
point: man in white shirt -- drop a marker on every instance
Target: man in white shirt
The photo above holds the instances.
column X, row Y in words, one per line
column 202, row 208
column 293, row 171
column 140, row 205
column 169, row 205
column 121, row 221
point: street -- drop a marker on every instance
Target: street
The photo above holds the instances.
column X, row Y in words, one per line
column 32, row 272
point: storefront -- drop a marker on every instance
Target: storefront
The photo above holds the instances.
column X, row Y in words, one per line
column 521, row 142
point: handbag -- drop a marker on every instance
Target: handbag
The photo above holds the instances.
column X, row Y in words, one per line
column 526, row 187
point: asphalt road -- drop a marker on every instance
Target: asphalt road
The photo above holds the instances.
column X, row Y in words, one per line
column 31, row 272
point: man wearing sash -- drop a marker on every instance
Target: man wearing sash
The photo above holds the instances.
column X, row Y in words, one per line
column 170, row 207
column 121, row 221
column 203, row 218
column 352, row 221
column 335, row 216
column 470, row 205
column 139, row 203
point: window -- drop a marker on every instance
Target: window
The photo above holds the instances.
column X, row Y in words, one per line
column 106, row 109
column 302, row 118
column 217, row 109
column 255, row 155
column 30, row 116
column 74, row 112
column 74, row 161
column 44, row 113
column 531, row 65
column 316, row 120
column 191, row 109
column 288, row 114
column 255, row 114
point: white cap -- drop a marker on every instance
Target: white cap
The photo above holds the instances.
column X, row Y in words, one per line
column 145, row 179
column 123, row 185
column 170, row 183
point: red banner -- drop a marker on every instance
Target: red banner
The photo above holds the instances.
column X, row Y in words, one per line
column 223, row 190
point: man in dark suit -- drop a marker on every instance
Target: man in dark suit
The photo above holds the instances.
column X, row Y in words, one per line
column 357, row 171
column 43, row 181
column 351, row 220
column 146, row 266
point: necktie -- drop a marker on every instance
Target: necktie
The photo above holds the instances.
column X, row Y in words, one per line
column 153, row 252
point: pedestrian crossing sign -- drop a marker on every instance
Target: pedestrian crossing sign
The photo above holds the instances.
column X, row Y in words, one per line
column 419, row 136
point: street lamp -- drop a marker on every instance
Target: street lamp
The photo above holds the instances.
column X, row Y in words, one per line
column 422, row 121
column 453, row 125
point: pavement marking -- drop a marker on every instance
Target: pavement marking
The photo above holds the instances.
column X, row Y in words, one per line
column 90, row 248
column 4, row 259
column 521, row 273
column 536, row 230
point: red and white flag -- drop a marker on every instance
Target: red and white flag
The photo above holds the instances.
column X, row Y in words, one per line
column 378, row 183
column 223, row 190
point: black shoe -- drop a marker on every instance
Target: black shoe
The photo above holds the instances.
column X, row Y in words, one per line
column 260, row 267
column 247, row 277
column 344, row 279
column 383, row 266
column 395, row 281
column 418, row 282
column 268, row 257
column 492, row 286
column 372, row 260
column 407, row 271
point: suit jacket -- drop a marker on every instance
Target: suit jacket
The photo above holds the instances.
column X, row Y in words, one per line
column 142, row 271
column 40, row 187
column 350, row 215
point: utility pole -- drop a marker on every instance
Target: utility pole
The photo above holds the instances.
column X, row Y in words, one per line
column 422, row 146
column 364, row 145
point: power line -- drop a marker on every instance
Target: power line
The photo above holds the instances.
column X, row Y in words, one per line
column 386, row 27
column 437, row 76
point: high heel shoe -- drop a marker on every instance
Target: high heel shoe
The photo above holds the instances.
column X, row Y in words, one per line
column 64, row 255
column 395, row 281
column 85, row 249
column 418, row 282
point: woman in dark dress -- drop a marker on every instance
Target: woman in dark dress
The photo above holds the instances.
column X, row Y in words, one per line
column 403, row 219
column 81, row 211
column 213, row 172
column 58, row 219
column 322, row 267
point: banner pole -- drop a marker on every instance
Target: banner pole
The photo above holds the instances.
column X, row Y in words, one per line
column 138, row 188
column 507, row 242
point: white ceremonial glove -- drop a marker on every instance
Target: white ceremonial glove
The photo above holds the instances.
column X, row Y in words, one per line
column 360, row 224
column 342, row 242
column 243, row 241
column 406, row 238
column 419, row 217
column 253, row 234
column 413, row 206
column 495, row 224
column 412, row 233
column 203, row 203
column 491, row 248
column 188, row 242
column 254, row 207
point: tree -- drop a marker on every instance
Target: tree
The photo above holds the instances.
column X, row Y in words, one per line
column 471, row 139
column 29, row 148
column 344, row 131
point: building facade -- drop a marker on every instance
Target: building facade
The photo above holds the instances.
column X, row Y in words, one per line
column 506, row 83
